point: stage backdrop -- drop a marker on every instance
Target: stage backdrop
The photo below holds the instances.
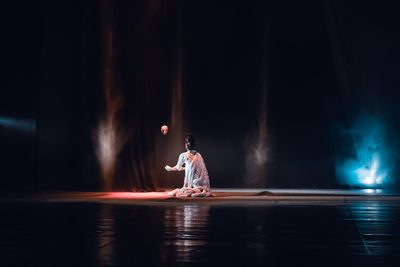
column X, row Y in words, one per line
column 277, row 93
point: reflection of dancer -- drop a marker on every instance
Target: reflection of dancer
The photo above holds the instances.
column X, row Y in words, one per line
column 197, row 182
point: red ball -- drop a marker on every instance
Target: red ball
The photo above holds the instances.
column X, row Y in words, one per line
column 164, row 129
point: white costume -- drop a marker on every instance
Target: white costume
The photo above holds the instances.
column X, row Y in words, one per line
column 197, row 182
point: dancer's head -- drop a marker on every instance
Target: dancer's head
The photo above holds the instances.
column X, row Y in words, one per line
column 190, row 142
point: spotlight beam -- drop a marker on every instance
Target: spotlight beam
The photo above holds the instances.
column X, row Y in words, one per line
column 24, row 125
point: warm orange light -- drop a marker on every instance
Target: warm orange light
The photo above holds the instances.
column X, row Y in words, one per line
column 135, row 195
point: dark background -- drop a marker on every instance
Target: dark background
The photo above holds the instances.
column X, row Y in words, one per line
column 324, row 63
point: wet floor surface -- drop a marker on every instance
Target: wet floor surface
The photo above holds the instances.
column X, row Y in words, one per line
column 357, row 233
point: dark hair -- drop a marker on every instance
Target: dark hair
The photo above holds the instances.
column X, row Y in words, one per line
column 190, row 141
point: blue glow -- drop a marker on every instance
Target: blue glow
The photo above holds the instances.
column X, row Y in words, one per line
column 372, row 164
column 372, row 191
column 24, row 125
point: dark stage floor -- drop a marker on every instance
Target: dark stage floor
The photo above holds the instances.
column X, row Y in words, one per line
column 237, row 228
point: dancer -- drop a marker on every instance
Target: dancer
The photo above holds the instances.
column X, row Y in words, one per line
column 197, row 182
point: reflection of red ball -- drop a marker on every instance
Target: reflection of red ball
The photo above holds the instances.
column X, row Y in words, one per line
column 164, row 129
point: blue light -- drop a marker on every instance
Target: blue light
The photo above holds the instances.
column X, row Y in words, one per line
column 24, row 125
column 372, row 162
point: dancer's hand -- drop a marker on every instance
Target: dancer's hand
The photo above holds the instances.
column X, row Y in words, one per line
column 168, row 168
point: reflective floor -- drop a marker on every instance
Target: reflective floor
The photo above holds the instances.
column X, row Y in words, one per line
column 361, row 232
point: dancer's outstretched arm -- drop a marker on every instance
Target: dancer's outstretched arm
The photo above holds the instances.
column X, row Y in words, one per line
column 173, row 169
column 179, row 165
